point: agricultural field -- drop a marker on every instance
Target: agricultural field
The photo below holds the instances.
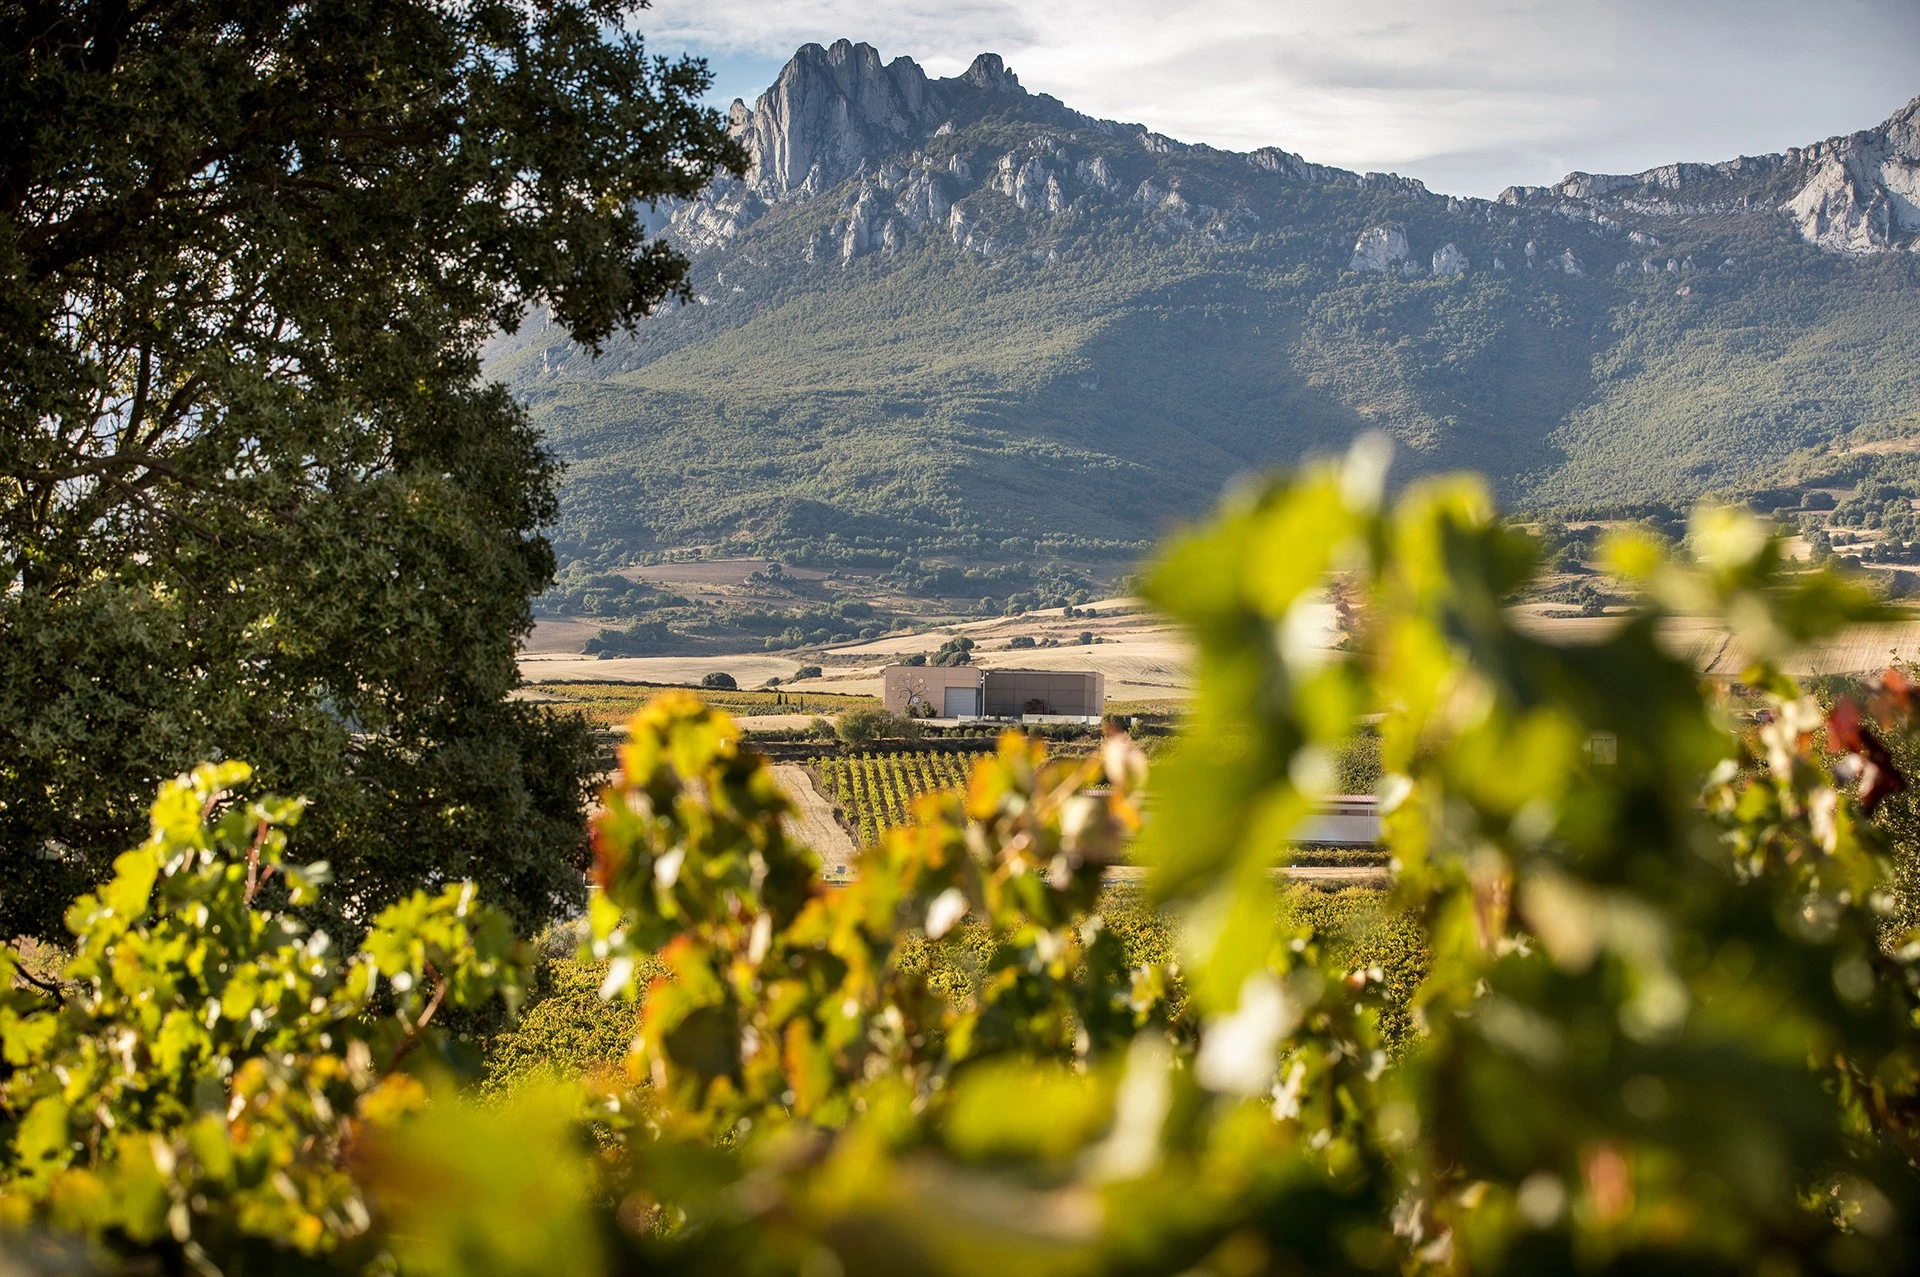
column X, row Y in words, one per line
column 607, row 705
column 875, row 792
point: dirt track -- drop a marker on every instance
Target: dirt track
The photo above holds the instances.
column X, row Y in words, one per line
column 812, row 822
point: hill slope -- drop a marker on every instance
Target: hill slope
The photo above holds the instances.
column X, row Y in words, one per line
column 950, row 314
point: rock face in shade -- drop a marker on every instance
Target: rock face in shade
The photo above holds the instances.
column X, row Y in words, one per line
column 832, row 110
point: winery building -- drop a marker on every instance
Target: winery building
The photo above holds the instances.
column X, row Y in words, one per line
column 967, row 691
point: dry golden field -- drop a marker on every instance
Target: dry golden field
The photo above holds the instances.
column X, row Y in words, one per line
column 1143, row 656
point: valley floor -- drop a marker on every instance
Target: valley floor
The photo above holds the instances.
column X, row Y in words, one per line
column 1143, row 657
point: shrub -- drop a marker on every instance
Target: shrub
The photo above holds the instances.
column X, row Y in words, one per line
column 642, row 638
column 719, row 681
column 1020, row 641
column 248, row 1056
column 806, row 671
column 865, row 724
column 957, row 650
column 1357, row 764
column 1086, row 637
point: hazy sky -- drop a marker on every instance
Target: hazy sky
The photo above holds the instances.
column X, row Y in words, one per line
column 1469, row 95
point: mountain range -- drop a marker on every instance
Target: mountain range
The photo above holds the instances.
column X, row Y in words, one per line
column 954, row 316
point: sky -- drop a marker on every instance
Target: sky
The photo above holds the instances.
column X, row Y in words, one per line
column 1470, row 96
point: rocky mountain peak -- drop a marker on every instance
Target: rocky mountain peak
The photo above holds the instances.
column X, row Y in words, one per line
column 834, row 107
column 1902, row 130
column 839, row 115
column 990, row 73
column 829, row 110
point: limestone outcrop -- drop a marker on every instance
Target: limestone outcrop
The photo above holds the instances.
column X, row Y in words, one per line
column 1449, row 262
column 1380, row 248
column 841, row 122
column 830, row 110
column 1856, row 194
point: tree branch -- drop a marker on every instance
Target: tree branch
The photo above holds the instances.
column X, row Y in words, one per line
column 255, row 878
column 426, row 1018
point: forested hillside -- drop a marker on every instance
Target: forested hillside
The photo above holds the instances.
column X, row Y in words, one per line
column 953, row 315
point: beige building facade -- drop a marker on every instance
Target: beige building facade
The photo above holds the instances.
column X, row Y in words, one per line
column 967, row 691
column 934, row 691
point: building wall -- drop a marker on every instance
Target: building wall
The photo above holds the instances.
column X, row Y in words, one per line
column 901, row 683
column 1012, row 693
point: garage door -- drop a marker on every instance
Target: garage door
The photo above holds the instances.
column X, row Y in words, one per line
column 961, row 702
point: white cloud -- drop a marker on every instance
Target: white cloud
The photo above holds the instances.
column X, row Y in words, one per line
column 1470, row 95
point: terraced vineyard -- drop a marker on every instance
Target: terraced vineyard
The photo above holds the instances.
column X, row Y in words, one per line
column 876, row 791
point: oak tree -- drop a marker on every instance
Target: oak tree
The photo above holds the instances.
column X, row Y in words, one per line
column 255, row 499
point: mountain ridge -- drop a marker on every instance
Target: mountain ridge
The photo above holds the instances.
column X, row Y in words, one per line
column 1856, row 193
column 953, row 315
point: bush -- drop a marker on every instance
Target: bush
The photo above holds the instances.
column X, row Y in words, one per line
column 1357, row 765
column 251, row 1055
column 720, row 681
column 642, row 638
column 805, row 671
column 1086, row 638
column 955, row 651
column 1020, row 641
column 864, row 725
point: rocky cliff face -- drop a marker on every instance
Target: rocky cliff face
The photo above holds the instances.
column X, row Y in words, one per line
column 830, row 111
column 840, row 122
column 833, row 113
column 1857, row 194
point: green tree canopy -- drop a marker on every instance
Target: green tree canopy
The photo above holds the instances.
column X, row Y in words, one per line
column 254, row 498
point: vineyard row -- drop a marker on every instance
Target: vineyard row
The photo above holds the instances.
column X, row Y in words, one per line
column 877, row 791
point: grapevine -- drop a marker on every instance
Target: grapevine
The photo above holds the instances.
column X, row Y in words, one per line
column 878, row 791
